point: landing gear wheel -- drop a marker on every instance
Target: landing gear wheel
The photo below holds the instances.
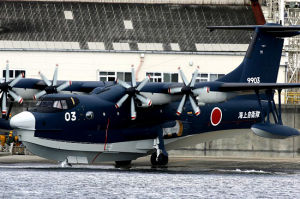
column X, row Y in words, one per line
column 153, row 160
column 162, row 159
column 123, row 163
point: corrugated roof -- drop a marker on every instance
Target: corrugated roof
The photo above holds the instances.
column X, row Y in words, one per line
column 101, row 25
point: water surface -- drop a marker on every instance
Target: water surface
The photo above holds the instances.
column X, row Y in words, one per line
column 52, row 181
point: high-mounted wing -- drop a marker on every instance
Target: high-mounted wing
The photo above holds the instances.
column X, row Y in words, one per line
column 246, row 87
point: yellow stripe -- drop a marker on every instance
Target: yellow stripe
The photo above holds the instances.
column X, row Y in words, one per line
column 73, row 100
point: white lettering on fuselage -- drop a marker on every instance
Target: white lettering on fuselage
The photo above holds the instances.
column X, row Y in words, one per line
column 254, row 80
column 249, row 115
column 70, row 116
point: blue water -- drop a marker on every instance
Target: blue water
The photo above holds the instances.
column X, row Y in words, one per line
column 101, row 182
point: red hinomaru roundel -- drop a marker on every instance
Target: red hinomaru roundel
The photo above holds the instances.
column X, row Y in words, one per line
column 216, row 116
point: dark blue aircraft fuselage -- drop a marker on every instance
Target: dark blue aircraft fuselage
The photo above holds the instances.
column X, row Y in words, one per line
column 94, row 120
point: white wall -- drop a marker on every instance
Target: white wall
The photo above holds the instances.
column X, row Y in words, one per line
column 84, row 65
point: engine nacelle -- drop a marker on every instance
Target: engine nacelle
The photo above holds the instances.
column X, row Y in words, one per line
column 160, row 98
column 205, row 97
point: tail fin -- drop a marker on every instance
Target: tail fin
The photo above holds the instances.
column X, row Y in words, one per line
column 262, row 60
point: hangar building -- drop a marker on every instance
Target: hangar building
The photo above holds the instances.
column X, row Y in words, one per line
column 100, row 40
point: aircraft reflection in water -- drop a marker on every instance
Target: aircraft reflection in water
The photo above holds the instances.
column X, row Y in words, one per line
column 123, row 121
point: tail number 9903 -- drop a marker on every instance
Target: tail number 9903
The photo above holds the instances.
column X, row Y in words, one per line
column 255, row 80
column 70, row 116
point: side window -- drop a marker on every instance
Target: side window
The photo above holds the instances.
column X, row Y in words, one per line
column 213, row 77
column 112, row 76
column 155, row 77
column 107, row 76
column 13, row 73
column 124, row 76
column 202, row 77
column 18, row 72
column 170, row 77
column 64, row 104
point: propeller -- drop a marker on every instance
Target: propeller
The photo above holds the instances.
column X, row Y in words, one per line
column 52, row 87
column 6, row 89
column 188, row 91
column 133, row 92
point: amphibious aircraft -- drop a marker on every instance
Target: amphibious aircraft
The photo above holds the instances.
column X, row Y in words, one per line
column 123, row 121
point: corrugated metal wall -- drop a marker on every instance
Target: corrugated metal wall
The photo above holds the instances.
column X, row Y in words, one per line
column 210, row 2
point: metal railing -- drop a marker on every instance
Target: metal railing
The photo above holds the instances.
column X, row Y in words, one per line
column 292, row 98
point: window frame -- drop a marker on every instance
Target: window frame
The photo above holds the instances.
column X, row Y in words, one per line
column 14, row 73
column 116, row 75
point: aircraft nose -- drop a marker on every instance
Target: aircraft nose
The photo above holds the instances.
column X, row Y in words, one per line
column 24, row 120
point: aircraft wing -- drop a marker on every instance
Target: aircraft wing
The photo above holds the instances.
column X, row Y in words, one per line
column 76, row 86
column 246, row 87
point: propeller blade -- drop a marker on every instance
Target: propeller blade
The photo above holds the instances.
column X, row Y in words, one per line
column 181, row 104
column 15, row 81
column 44, row 78
column 195, row 74
column 121, row 101
column 144, row 100
column 7, row 72
column 54, row 82
column 184, row 79
column 122, row 83
column 201, row 91
column 194, row 106
column 4, row 98
column 174, row 90
column 16, row 97
column 132, row 109
column 133, row 80
column 143, row 83
column 38, row 95
column 64, row 85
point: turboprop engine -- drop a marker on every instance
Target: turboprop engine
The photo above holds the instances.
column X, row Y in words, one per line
column 207, row 97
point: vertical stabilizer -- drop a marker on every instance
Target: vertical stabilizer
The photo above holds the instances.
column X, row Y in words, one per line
column 261, row 62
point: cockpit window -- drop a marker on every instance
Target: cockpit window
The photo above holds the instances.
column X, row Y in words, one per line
column 57, row 104
column 48, row 104
column 45, row 103
column 64, row 104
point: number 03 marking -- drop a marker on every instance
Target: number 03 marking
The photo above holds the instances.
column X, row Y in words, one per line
column 70, row 116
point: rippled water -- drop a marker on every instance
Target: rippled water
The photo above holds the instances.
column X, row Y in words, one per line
column 101, row 182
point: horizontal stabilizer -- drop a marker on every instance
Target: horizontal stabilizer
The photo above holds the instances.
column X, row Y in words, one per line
column 230, row 87
column 275, row 30
column 274, row 131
